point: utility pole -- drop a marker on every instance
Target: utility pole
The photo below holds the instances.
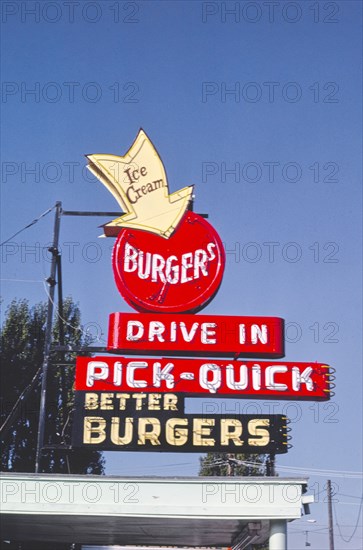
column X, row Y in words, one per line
column 231, row 465
column 48, row 333
column 330, row 514
column 270, row 465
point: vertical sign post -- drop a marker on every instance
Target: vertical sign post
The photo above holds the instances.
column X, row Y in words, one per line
column 48, row 335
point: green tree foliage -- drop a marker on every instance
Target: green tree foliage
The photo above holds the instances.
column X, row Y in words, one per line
column 22, row 346
column 222, row 464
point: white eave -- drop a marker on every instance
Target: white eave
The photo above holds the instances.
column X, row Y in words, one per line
column 200, row 511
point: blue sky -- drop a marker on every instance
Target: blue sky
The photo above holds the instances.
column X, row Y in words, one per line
column 274, row 95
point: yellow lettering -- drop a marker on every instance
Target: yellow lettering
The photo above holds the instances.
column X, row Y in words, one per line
column 91, row 401
column 106, row 401
column 231, row 429
column 174, row 434
column 94, row 430
column 139, row 397
column 122, row 397
column 154, row 402
column 170, row 402
column 201, row 429
column 150, row 435
column 115, row 431
column 255, row 428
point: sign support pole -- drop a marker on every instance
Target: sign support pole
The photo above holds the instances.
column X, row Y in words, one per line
column 48, row 334
column 330, row 514
column 270, row 465
column 278, row 535
column 61, row 334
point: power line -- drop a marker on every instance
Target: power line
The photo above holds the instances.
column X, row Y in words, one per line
column 347, row 540
column 348, row 503
column 22, row 398
column 294, row 532
column 310, row 530
column 28, row 225
column 316, row 472
column 79, row 329
column 321, row 531
column 84, row 332
column 23, row 280
column 350, row 496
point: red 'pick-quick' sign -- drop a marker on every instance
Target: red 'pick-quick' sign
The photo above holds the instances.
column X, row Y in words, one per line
column 255, row 379
column 216, row 335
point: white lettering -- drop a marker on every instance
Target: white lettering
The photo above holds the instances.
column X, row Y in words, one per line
column 207, row 333
column 160, row 374
column 130, row 263
column 156, row 328
column 214, row 384
column 187, row 262
column 131, row 336
column 173, row 270
column 200, row 260
column 188, row 336
column 132, row 367
column 210, row 247
column 302, row 378
column 96, row 370
column 173, row 331
column 259, row 334
column 270, row 378
column 117, row 373
column 230, row 379
column 242, row 333
column 157, row 268
column 256, row 377
column 144, row 269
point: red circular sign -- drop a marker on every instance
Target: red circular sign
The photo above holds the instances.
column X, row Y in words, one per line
column 179, row 274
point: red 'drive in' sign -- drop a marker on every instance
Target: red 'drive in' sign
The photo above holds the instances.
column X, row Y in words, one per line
column 217, row 335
